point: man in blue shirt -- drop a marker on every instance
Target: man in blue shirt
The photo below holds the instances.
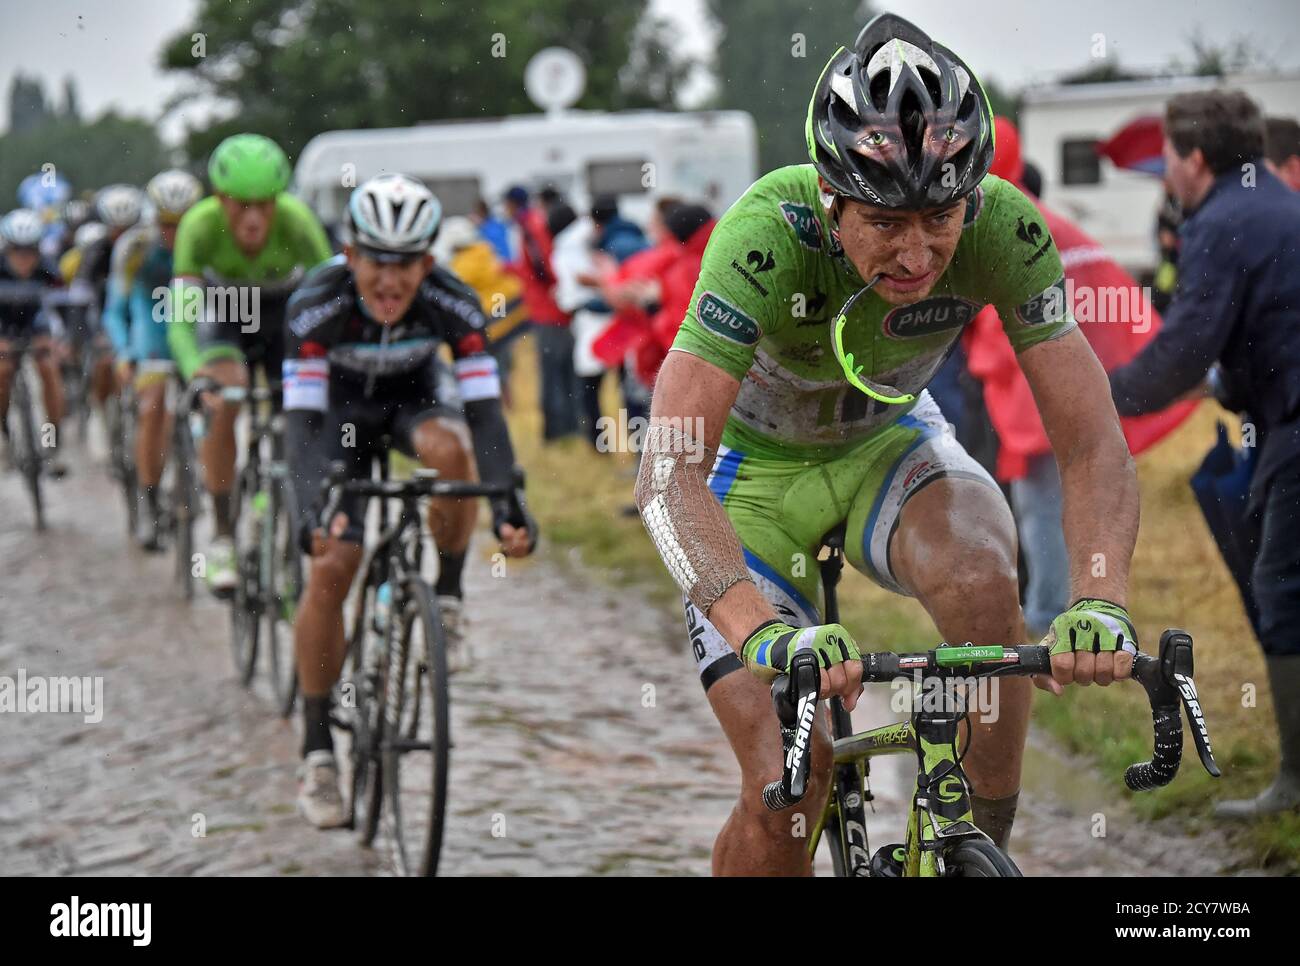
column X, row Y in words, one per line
column 1238, row 304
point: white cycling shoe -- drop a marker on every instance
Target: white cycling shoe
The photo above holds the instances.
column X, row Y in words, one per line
column 452, row 610
column 221, row 574
column 319, row 799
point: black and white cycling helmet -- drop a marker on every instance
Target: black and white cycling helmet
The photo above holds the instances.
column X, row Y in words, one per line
column 119, row 205
column 899, row 121
column 76, row 213
column 89, row 234
column 173, row 193
column 392, row 217
column 21, row 228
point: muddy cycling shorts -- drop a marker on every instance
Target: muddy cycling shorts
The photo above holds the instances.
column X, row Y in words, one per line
column 781, row 509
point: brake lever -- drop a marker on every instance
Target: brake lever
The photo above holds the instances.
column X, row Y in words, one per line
column 805, row 684
column 331, row 490
column 1176, row 665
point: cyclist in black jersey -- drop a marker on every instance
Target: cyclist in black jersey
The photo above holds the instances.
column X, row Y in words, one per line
column 362, row 335
column 24, row 282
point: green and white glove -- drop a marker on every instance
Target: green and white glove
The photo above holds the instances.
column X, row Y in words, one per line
column 1092, row 625
column 773, row 645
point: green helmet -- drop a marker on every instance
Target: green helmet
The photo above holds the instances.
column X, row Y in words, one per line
column 248, row 167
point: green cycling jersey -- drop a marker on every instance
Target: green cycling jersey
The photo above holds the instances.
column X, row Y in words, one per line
column 204, row 244
column 774, row 278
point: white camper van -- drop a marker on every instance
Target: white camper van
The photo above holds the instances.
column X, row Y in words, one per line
column 710, row 157
column 1061, row 125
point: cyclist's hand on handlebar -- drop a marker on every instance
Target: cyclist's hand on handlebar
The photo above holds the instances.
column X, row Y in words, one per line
column 771, row 647
column 515, row 541
column 338, row 524
column 1093, row 641
column 514, row 525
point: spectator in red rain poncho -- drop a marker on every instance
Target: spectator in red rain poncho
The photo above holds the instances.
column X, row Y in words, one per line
column 1117, row 319
column 691, row 225
column 651, row 291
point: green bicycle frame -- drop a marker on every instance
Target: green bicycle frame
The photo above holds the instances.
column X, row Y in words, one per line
column 941, row 806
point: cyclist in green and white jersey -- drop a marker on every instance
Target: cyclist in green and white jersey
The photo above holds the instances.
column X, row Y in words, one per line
column 248, row 243
column 777, row 418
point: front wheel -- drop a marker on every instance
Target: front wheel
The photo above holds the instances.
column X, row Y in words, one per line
column 978, row 859
column 246, row 605
column 416, row 743
column 363, row 688
column 27, row 454
column 184, row 503
column 282, row 583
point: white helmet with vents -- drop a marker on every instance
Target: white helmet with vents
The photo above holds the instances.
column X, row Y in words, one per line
column 21, row 228
column 119, row 205
column 392, row 215
column 173, row 193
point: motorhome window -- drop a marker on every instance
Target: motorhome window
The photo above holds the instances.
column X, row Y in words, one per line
column 457, row 195
column 1080, row 163
column 623, row 177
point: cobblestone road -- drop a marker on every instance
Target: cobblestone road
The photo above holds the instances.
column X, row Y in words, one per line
column 559, row 752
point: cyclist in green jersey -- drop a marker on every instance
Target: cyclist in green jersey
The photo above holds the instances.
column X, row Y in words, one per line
column 777, row 418
column 239, row 253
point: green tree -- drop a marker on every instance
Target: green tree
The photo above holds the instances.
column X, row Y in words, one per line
column 110, row 149
column 292, row 68
column 71, row 109
column 1103, row 71
column 27, row 107
column 1211, row 59
column 770, row 54
column 656, row 68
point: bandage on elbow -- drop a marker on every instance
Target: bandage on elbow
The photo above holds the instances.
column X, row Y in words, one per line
column 685, row 520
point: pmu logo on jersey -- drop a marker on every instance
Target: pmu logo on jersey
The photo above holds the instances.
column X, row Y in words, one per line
column 726, row 320
column 1046, row 307
column 805, row 224
column 929, row 316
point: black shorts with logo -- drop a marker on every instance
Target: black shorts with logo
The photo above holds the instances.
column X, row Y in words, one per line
column 359, row 428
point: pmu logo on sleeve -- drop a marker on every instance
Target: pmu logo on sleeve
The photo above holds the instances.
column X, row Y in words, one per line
column 1046, row 307
column 726, row 320
column 929, row 316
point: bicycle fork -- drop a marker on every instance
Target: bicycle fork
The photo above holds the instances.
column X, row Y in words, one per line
column 851, row 787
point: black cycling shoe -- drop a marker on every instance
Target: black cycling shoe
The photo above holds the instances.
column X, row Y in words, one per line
column 888, row 861
column 55, row 466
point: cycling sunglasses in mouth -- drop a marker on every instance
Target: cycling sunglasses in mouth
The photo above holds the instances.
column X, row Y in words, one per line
column 852, row 372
